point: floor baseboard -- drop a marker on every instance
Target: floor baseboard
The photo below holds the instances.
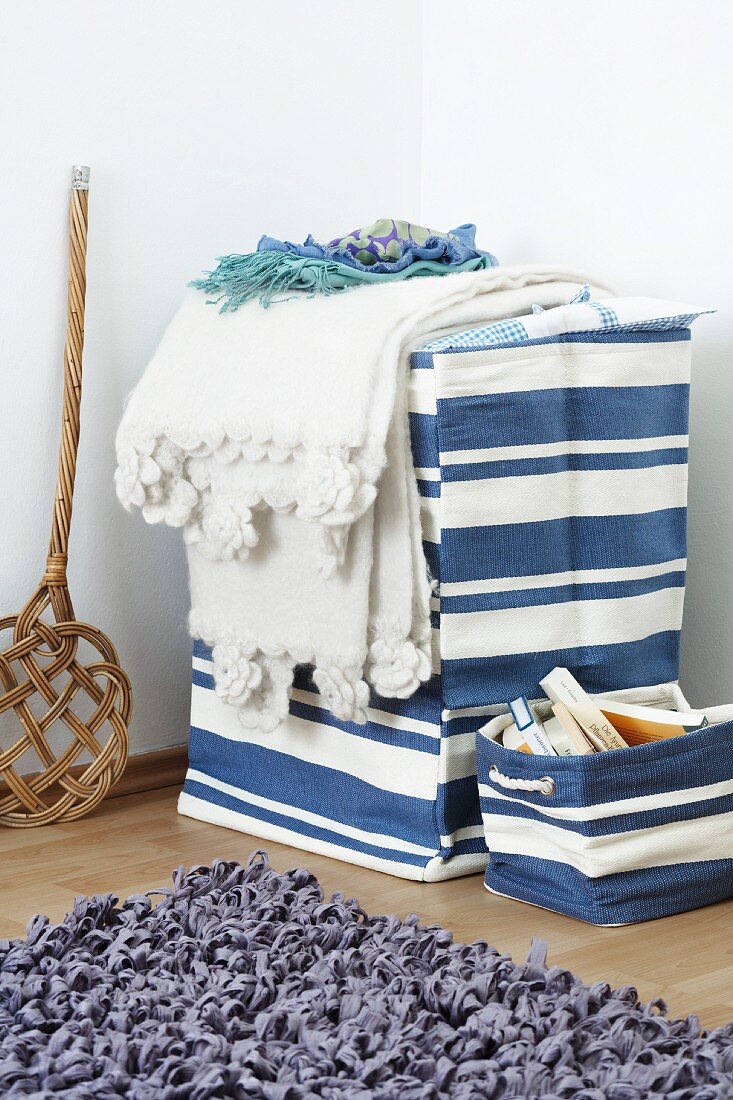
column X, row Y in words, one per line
column 146, row 771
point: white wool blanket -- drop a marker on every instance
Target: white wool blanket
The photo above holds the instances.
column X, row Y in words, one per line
column 278, row 440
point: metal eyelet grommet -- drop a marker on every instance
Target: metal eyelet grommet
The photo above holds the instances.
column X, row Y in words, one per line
column 549, row 787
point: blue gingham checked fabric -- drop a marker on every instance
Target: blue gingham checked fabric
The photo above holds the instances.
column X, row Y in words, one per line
column 552, row 477
column 607, row 315
column 582, row 314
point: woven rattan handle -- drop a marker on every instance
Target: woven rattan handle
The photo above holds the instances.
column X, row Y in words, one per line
column 77, row 281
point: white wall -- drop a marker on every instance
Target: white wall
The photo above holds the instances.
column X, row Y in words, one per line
column 598, row 135
column 565, row 133
column 204, row 125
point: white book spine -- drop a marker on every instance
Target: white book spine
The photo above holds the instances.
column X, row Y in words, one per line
column 557, row 734
column 561, row 687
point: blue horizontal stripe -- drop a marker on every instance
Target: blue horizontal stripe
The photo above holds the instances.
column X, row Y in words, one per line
column 561, row 593
column 424, row 440
column 304, row 828
column 484, row 681
column 202, row 679
column 559, row 545
column 555, row 415
column 430, row 489
column 554, row 464
column 621, row 898
column 618, row 823
column 663, row 767
column 325, row 791
column 372, row 731
column 421, row 360
column 424, row 706
column 471, row 846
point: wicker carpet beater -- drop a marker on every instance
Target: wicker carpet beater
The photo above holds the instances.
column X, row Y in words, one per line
column 43, row 676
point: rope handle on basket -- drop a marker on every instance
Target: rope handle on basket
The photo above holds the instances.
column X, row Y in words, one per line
column 545, row 785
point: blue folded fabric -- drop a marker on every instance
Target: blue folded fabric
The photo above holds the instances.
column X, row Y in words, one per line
column 448, row 249
column 387, row 250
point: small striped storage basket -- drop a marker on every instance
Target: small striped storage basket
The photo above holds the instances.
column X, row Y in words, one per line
column 613, row 837
column 552, row 477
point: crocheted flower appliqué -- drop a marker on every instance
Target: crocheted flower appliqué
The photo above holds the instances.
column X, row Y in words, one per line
column 345, row 693
column 149, row 476
column 328, row 484
column 236, row 676
column 225, row 532
column 398, row 666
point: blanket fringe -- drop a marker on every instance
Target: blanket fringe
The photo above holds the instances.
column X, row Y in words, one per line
column 240, row 278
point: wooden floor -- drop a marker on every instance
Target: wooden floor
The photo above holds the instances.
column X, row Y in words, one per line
column 132, row 843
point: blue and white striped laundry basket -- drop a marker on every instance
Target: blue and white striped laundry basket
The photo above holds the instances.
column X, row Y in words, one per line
column 553, row 478
column 613, row 837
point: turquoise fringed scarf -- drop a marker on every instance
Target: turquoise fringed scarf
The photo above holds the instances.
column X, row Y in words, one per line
column 372, row 255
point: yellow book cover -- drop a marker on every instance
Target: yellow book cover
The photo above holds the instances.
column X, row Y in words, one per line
column 640, row 725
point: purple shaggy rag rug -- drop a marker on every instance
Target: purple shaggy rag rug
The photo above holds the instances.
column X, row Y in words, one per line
column 242, row 982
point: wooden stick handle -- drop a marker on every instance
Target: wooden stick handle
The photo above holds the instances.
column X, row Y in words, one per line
column 78, row 219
